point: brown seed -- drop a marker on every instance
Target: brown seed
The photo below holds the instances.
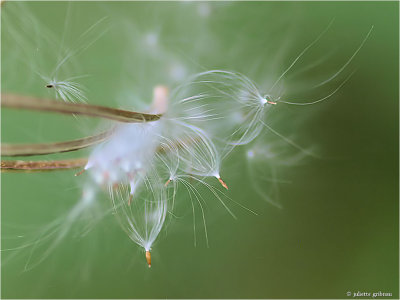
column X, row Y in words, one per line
column 148, row 258
column 222, row 183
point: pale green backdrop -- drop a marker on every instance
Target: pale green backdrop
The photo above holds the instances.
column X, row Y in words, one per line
column 337, row 231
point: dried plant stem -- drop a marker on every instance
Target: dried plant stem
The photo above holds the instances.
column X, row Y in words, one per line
column 35, row 166
column 39, row 104
column 50, row 148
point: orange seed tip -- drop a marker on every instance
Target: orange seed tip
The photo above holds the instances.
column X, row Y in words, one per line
column 148, row 258
column 80, row 172
column 222, row 183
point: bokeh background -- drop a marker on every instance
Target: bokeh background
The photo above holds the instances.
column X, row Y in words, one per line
column 337, row 230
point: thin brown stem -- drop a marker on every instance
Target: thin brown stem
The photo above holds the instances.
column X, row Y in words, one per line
column 37, row 166
column 39, row 104
column 50, row 148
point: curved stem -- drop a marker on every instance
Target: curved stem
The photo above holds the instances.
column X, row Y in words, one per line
column 35, row 166
column 51, row 148
column 32, row 103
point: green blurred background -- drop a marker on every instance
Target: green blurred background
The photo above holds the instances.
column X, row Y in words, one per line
column 338, row 228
